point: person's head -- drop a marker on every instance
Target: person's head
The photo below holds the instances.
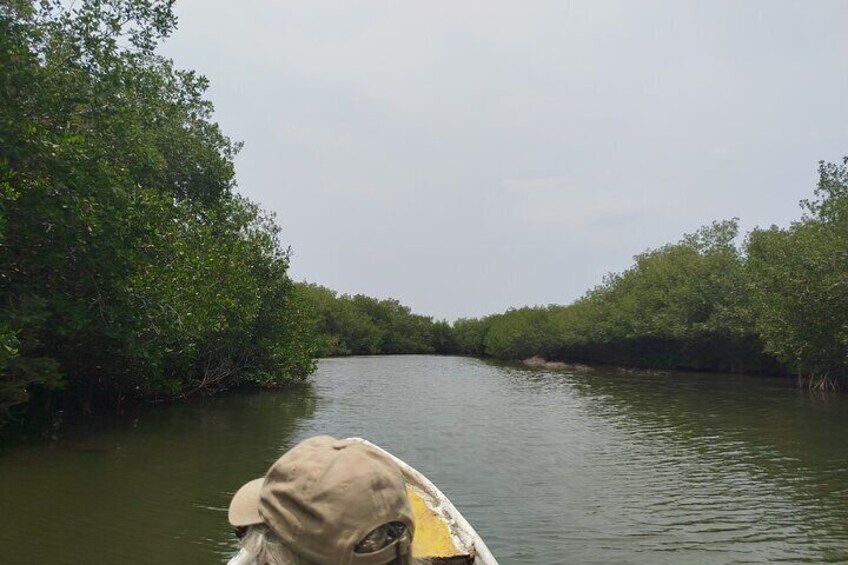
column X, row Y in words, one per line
column 327, row 502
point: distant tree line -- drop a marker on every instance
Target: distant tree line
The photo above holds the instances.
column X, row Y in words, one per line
column 777, row 303
column 129, row 267
column 361, row 325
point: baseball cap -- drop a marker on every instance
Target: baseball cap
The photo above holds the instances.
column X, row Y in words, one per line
column 324, row 496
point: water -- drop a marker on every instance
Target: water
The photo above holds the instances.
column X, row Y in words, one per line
column 550, row 467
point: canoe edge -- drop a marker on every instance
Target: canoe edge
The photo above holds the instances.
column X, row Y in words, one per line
column 466, row 536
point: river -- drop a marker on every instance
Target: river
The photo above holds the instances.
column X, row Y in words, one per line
column 550, row 467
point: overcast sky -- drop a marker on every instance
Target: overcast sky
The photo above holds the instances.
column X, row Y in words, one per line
column 467, row 156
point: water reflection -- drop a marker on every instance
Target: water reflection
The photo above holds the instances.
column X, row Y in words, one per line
column 748, row 463
column 153, row 490
column 550, row 467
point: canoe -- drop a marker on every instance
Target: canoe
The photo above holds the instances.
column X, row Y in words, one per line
column 442, row 534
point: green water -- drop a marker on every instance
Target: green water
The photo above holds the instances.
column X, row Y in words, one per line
column 550, row 467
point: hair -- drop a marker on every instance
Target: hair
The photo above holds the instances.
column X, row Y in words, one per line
column 261, row 546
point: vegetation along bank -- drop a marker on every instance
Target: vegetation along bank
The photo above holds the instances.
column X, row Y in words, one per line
column 776, row 304
column 130, row 268
column 132, row 271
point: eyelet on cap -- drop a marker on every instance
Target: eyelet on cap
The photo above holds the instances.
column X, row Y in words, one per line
column 401, row 546
column 380, row 537
column 340, row 444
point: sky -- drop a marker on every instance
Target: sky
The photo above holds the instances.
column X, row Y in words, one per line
column 465, row 157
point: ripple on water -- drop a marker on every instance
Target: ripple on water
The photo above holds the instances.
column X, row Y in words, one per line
column 550, row 467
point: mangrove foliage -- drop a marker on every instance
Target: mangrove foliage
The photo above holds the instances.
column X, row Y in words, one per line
column 129, row 266
column 362, row 325
column 777, row 302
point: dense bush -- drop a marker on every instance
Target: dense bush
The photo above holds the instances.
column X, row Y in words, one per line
column 129, row 267
column 799, row 278
column 778, row 303
column 361, row 325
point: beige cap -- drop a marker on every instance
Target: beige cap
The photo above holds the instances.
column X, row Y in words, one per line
column 324, row 496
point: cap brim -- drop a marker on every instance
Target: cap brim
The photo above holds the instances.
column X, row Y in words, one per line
column 244, row 507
